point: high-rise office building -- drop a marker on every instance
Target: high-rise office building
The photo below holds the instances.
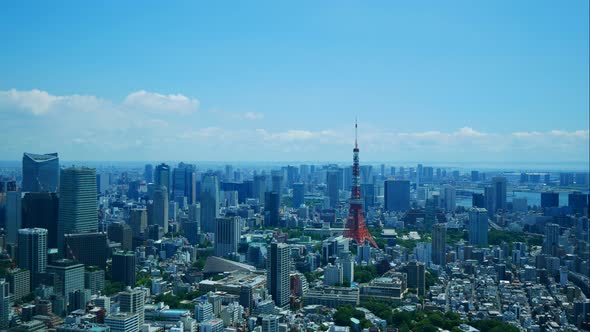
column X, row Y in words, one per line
column 478, row 200
column 20, row 282
column 162, row 176
column 123, row 322
column 490, row 199
column 138, row 221
column 578, row 202
column 77, row 203
column 203, row 311
column 40, row 210
column 449, row 196
column 184, row 183
column 121, row 232
column 259, row 188
column 549, row 199
column 551, row 242
column 40, row 172
column 397, row 195
column 227, row 236
column 478, row 227
column 13, row 215
column 368, row 195
column 32, row 250
column 209, row 202
column 158, row 209
column 94, row 279
column 416, row 277
column 298, row 194
column 123, row 268
column 133, row 300
column 278, row 273
column 500, row 188
column 332, row 188
column 5, row 304
column 271, row 209
column 148, row 173
column 90, row 249
column 69, row 276
column 439, row 244
column 277, row 184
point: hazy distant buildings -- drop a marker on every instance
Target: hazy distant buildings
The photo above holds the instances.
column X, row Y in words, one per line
column 148, row 173
column 397, row 195
column 333, row 190
column 449, row 198
column 184, row 183
column 77, row 203
column 40, row 172
column 13, row 215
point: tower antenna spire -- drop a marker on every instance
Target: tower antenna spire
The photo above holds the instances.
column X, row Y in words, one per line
column 356, row 132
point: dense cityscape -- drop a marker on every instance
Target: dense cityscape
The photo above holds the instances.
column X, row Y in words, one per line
column 295, row 166
column 179, row 247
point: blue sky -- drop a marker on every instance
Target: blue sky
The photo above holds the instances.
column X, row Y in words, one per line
column 428, row 80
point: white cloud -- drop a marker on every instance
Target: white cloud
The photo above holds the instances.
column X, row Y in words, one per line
column 152, row 101
column 34, row 101
column 144, row 125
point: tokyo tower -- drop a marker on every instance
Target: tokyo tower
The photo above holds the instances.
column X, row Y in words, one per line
column 356, row 226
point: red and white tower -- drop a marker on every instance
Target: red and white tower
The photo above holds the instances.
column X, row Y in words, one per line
column 356, row 226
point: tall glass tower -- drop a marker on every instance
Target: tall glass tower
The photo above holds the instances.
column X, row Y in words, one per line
column 77, row 203
column 40, row 172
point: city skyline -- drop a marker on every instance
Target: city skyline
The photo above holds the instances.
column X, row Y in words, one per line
column 254, row 84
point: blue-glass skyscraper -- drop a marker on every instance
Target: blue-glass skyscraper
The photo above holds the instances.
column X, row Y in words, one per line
column 40, row 172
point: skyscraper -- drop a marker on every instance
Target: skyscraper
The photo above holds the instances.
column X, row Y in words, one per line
column 158, row 209
column 259, row 188
column 138, row 221
column 41, row 210
column 121, row 232
column 439, row 244
column 416, row 277
column 123, row 268
column 87, row 248
column 478, row 200
column 69, row 276
column 184, row 183
column 551, row 242
column 162, row 176
column 32, row 250
column 148, row 173
column 500, row 188
column 490, row 199
column 333, row 190
column 227, row 236
column 13, row 213
column 5, row 304
column 549, row 199
column 271, row 209
column 449, row 197
column 209, row 202
column 298, row 194
column 397, row 195
column 40, row 172
column 133, row 300
column 478, row 227
column 77, row 203
column 278, row 273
